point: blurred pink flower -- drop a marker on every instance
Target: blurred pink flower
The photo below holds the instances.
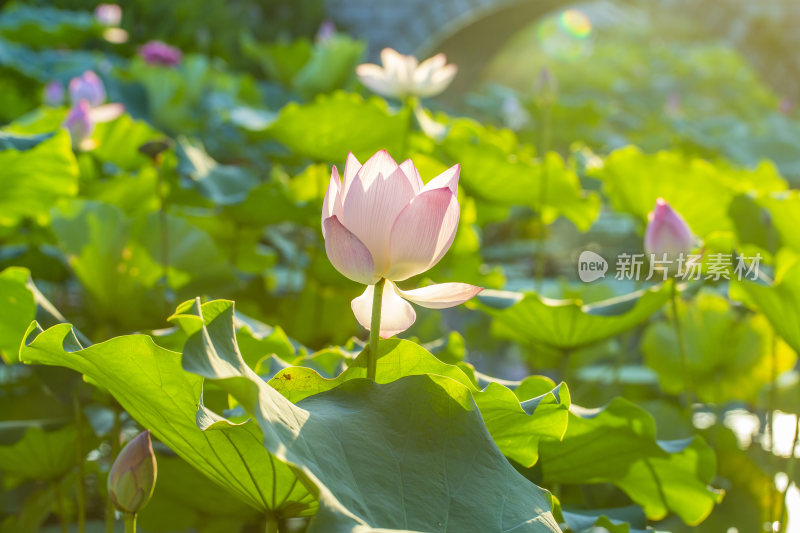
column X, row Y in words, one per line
column 54, row 93
column 786, row 105
column 667, row 233
column 380, row 221
column 673, row 104
column 402, row 75
column 108, row 14
column 160, row 53
column 79, row 124
column 326, row 31
column 88, row 86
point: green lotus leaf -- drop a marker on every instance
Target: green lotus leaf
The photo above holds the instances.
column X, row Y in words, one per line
column 411, row 455
column 567, row 324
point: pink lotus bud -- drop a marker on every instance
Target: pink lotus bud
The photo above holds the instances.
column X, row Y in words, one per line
column 786, row 105
column 54, row 94
column 381, row 221
column 133, row 475
column 160, row 53
column 326, row 31
column 403, row 75
column 79, row 123
column 108, row 14
column 667, row 233
column 88, row 86
column 673, row 104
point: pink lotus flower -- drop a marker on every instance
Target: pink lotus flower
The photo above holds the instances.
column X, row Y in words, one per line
column 82, row 118
column 79, row 124
column 402, row 75
column 160, row 53
column 108, row 14
column 88, row 86
column 667, row 233
column 54, row 94
column 381, row 222
column 132, row 477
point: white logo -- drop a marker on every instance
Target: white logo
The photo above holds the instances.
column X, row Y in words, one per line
column 591, row 266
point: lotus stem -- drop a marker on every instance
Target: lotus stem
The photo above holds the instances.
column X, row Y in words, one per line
column 676, row 322
column 62, row 512
column 271, row 524
column 544, row 148
column 81, row 488
column 410, row 103
column 789, row 476
column 162, row 211
column 130, row 522
column 773, row 376
column 115, row 430
column 375, row 330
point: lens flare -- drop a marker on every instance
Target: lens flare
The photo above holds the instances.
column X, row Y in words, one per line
column 576, row 23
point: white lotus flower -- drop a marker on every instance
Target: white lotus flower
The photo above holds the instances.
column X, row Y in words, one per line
column 402, row 75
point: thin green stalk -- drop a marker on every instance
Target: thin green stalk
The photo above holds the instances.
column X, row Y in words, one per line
column 162, row 212
column 130, row 522
column 375, row 330
column 773, row 377
column 271, row 524
column 237, row 233
column 409, row 105
column 115, row 431
column 789, row 476
column 544, row 148
column 62, row 513
column 676, row 322
column 81, row 486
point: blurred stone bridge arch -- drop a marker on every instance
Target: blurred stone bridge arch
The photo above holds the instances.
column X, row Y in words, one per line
column 472, row 32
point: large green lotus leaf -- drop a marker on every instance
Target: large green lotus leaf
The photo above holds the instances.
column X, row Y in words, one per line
column 118, row 259
column 331, row 65
column 628, row 519
column 617, row 444
column 33, row 179
column 45, row 65
column 516, row 424
column 280, row 61
column 11, row 141
column 492, row 168
column 222, row 184
column 45, row 450
column 784, row 210
column 329, row 127
column 751, row 498
column 567, row 324
column 150, row 384
column 633, row 181
column 754, row 227
column 17, row 310
column 48, row 26
column 133, row 193
column 174, row 508
column 21, row 300
column 195, row 264
column 118, row 142
column 729, row 356
column 779, row 301
column 411, row 455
